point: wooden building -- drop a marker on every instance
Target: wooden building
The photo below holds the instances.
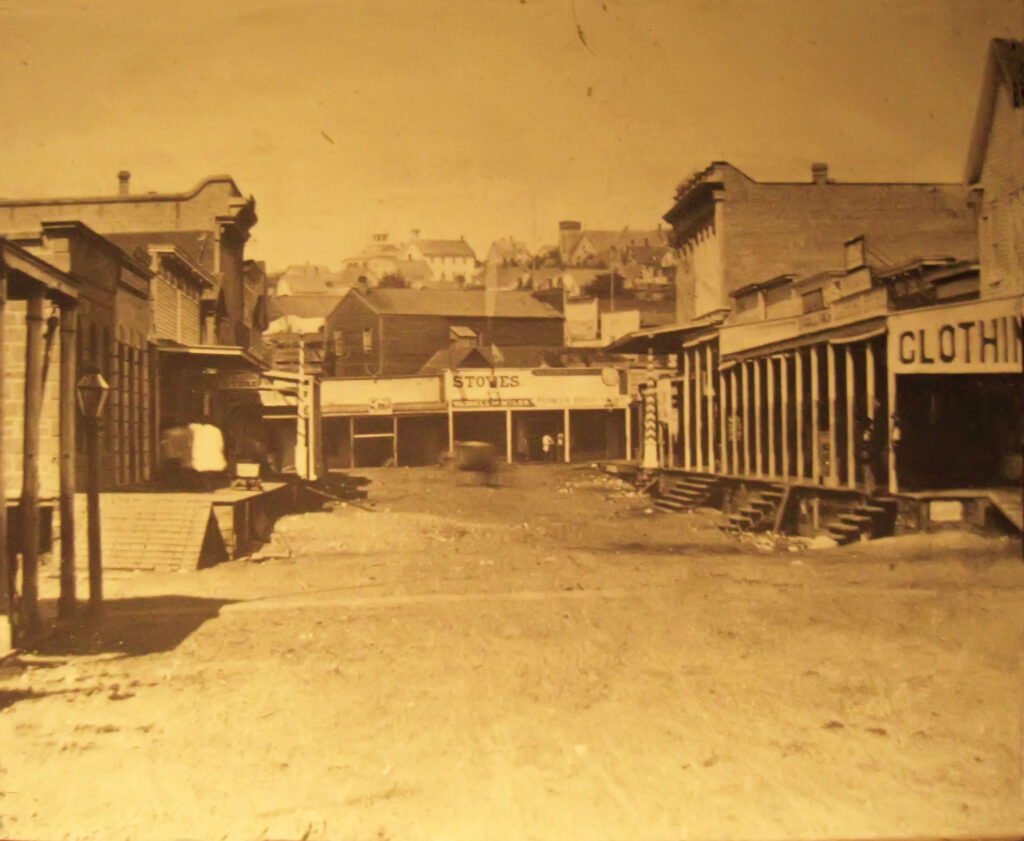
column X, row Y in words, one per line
column 390, row 332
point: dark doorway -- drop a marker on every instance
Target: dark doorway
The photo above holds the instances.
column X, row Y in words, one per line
column 422, row 440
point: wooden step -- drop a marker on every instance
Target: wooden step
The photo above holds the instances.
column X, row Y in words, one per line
column 869, row 510
column 740, row 521
column 858, row 520
column 763, row 505
column 664, row 504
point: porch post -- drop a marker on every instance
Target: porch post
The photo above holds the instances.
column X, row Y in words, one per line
column 784, row 415
column 6, row 578
column 698, row 392
column 891, row 425
column 685, row 420
column 567, row 455
column 68, row 380
column 830, row 373
column 815, row 417
column 736, row 422
column 394, row 438
column 758, row 444
column 28, row 517
column 710, row 379
column 508, row 436
column 851, row 421
column 798, row 375
column 869, row 379
column 723, row 416
column 748, row 427
column 772, row 466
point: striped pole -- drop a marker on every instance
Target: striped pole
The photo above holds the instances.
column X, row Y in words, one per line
column 650, row 457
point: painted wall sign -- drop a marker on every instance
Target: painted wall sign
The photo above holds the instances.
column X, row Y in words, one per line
column 233, row 380
column 979, row 337
column 523, row 388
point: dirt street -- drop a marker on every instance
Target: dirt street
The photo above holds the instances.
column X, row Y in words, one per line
column 543, row 660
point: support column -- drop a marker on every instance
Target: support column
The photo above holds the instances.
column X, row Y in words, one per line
column 748, row 426
column 723, row 415
column 6, row 569
column 394, row 440
column 869, row 379
column 28, row 515
column 685, row 420
column 851, row 421
column 629, row 432
column 736, row 422
column 815, row 417
column 650, row 442
column 798, row 376
column 698, row 425
column 68, row 380
column 568, row 444
column 508, row 436
column 893, row 427
column 710, row 379
column 830, row 373
column 758, row 444
column 784, row 413
column 772, row 465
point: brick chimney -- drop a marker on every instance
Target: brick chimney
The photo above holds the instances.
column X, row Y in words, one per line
column 819, row 173
column 123, row 177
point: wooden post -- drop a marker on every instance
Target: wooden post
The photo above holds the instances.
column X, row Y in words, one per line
column 6, row 568
column 784, row 412
column 851, row 421
column 567, row 449
column 629, row 432
column 830, row 373
column 736, row 422
column 890, row 383
column 394, row 439
column 758, row 444
column 723, row 416
column 698, row 406
column 28, row 515
column 815, row 417
column 748, row 426
column 92, row 490
column 710, row 379
column 508, row 436
column 869, row 378
column 772, row 466
column 685, row 420
column 798, row 375
column 68, row 380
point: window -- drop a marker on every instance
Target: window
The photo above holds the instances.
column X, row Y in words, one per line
column 338, row 337
column 813, row 301
column 367, row 340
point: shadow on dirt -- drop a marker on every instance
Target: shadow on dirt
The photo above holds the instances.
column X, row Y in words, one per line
column 132, row 627
column 696, row 550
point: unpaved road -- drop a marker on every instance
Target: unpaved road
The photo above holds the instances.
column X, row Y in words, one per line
column 539, row 661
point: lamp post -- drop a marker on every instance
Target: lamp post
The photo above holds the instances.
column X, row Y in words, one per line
column 92, row 392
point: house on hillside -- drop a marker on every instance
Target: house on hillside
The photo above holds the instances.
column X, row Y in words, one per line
column 509, row 251
column 381, row 332
column 451, row 261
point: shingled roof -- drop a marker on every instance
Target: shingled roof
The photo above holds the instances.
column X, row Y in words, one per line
column 470, row 303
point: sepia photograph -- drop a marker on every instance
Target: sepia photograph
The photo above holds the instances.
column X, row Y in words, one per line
column 512, row 420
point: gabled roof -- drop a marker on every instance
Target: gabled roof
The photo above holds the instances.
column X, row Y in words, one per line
column 1004, row 66
column 444, row 248
column 458, row 357
column 303, row 306
column 466, row 303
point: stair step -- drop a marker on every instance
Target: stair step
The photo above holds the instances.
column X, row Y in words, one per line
column 770, row 495
column 694, row 486
column 843, row 528
column 856, row 520
column 669, row 505
column 740, row 521
column 887, row 501
column 869, row 510
column 763, row 505
column 753, row 513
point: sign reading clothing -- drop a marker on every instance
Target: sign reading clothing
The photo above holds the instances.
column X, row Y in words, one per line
column 979, row 337
column 516, row 387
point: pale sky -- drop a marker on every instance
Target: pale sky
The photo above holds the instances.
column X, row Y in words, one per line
column 481, row 118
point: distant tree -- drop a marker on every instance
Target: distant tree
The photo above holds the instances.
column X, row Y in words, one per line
column 393, row 281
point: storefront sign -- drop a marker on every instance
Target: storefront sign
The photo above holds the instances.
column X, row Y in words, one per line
column 233, row 380
column 980, row 337
column 524, row 388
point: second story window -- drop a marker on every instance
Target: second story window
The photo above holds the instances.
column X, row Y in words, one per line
column 813, row 301
column 367, row 340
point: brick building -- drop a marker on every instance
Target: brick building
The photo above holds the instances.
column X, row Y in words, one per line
column 731, row 231
column 385, row 332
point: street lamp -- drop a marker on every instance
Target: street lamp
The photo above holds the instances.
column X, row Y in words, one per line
column 92, row 392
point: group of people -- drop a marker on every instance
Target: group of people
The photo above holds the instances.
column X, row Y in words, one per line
column 553, row 446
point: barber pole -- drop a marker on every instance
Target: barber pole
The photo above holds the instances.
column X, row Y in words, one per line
column 650, row 454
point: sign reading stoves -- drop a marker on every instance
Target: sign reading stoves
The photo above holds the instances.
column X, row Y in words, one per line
column 979, row 337
column 518, row 387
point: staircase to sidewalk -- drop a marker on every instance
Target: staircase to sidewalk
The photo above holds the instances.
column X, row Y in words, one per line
column 152, row 531
column 686, row 493
column 759, row 512
column 876, row 517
